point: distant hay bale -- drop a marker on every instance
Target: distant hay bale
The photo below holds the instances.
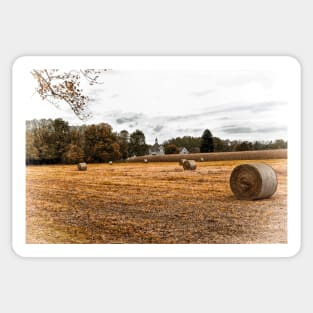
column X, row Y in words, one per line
column 189, row 165
column 181, row 162
column 82, row 166
column 201, row 159
column 145, row 161
column 110, row 162
column 253, row 181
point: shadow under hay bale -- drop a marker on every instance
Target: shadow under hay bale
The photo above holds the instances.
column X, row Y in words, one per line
column 82, row 166
column 189, row 165
column 253, row 181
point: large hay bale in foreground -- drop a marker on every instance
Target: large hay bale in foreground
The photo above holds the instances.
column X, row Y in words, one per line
column 82, row 166
column 253, row 181
column 189, row 165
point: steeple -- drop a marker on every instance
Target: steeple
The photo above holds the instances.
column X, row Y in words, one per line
column 156, row 141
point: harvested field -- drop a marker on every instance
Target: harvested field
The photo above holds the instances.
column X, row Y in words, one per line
column 150, row 203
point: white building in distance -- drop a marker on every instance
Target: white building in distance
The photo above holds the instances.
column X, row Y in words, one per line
column 156, row 149
column 183, row 150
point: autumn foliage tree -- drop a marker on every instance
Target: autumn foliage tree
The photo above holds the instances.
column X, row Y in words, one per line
column 101, row 144
column 171, row 149
column 46, row 140
column 137, row 143
column 54, row 141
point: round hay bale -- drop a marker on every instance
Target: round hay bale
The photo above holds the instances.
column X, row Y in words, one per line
column 201, row 159
column 253, row 181
column 189, row 165
column 145, row 161
column 82, row 166
column 110, row 162
column 181, row 162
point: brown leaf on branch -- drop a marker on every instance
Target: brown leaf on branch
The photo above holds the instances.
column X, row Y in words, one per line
column 56, row 86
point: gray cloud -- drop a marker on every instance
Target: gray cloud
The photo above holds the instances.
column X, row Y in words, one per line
column 158, row 128
column 248, row 107
column 182, row 117
column 227, row 108
column 266, row 106
column 128, row 118
column 190, row 130
column 132, row 125
column 233, row 129
column 273, row 129
column 237, row 130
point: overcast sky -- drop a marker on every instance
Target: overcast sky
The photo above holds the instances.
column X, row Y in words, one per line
column 245, row 105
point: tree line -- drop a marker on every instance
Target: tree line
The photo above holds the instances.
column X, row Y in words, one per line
column 209, row 143
column 51, row 141
column 55, row 141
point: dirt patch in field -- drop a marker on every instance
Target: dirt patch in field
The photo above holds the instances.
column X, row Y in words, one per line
column 150, row 203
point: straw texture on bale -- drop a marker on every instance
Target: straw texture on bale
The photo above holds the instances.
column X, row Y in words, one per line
column 189, row 165
column 253, row 181
column 82, row 166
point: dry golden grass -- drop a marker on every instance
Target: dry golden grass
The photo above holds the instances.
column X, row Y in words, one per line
column 150, row 203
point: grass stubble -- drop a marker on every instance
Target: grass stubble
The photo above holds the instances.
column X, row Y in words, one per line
column 150, row 203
